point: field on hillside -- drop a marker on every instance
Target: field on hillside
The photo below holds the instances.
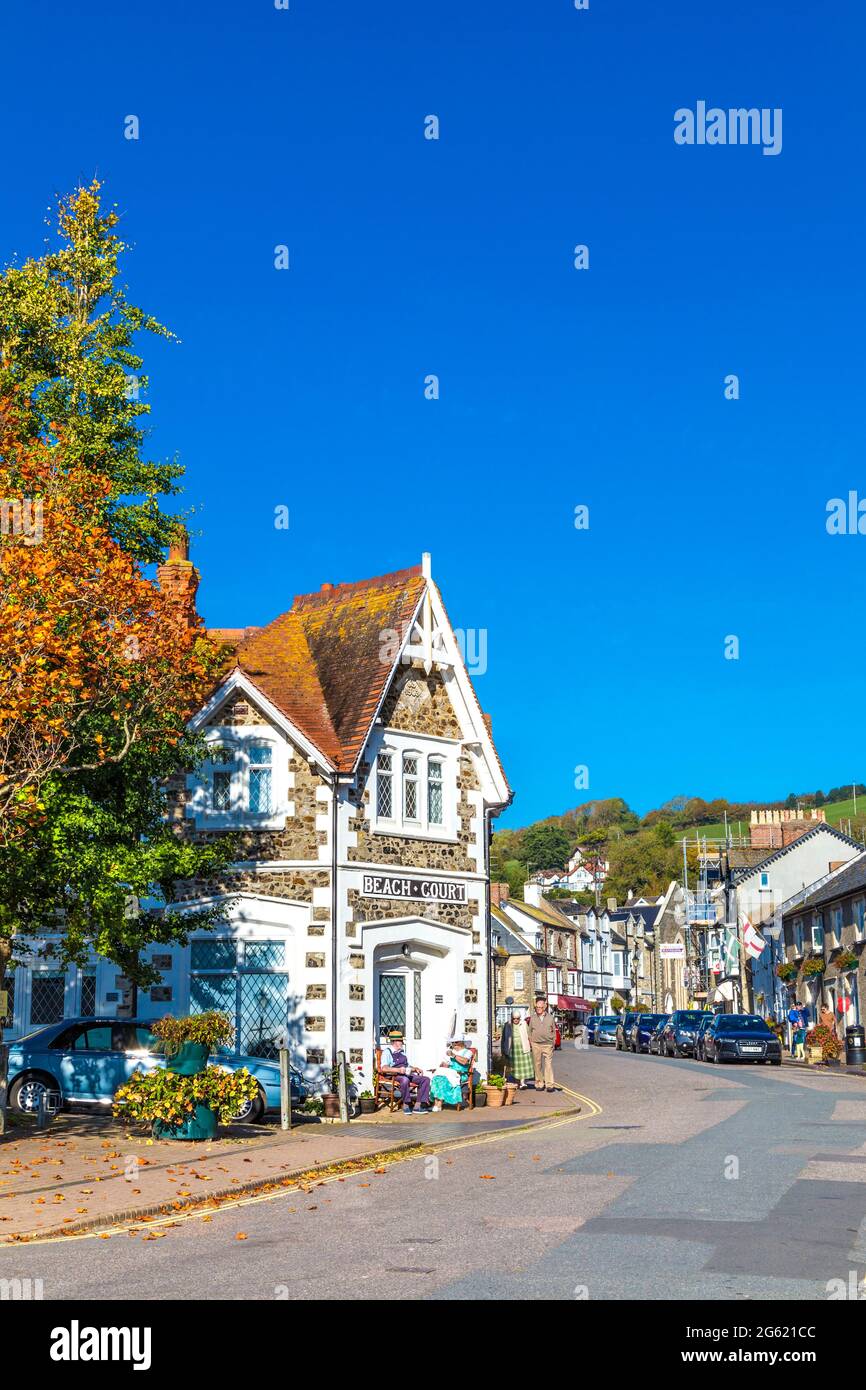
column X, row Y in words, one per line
column 835, row 812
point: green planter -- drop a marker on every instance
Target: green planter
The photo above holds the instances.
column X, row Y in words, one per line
column 200, row 1124
column 189, row 1061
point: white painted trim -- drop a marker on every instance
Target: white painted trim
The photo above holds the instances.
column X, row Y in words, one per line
column 239, row 681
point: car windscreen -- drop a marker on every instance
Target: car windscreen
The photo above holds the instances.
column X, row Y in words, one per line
column 653, row 1020
column 607, row 1024
column 742, row 1023
column 689, row 1018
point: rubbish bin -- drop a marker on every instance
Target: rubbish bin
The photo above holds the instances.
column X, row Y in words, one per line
column 855, row 1045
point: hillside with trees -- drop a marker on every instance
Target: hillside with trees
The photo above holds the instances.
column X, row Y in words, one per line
column 645, row 853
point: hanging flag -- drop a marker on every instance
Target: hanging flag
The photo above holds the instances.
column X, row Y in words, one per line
column 732, row 950
column 752, row 940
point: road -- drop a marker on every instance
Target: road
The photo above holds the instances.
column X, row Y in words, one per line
column 692, row 1181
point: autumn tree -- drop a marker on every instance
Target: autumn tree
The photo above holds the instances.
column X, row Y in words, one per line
column 98, row 678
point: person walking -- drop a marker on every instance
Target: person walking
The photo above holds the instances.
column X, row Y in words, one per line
column 542, row 1040
column 516, row 1051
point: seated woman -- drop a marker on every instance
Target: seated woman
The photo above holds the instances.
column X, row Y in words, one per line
column 446, row 1088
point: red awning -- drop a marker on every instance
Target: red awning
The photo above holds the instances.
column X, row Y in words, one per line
column 571, row 1002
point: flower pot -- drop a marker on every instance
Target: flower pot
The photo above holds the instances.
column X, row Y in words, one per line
column 495, row 1096
column 189, row 1061
column 331, row 1107
column 201, row 1123
column 510, row 1093
column 480, row 1099
column 368, row 1105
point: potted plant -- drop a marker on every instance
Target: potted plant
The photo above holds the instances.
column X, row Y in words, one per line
column 367, row 1102
column 331, row 1097
column 480, row 1095
column 187, row 1042
column 848, row 960
column 787, row 970
column 495, row 1089
column 815, row 965
column 183, row 1105
column 824, row 1038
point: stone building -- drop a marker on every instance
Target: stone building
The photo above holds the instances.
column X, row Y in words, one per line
column 826, row 924
column 348, row 755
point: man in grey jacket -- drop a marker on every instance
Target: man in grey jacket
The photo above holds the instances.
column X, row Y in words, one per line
column 542, row 1040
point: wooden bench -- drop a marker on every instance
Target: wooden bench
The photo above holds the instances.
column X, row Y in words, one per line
column 385, row 1087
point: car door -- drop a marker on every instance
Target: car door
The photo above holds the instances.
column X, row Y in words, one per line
column 84, row 1062
column 136, row 1049
column 710, row 1042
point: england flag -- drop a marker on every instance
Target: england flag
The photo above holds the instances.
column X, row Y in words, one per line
column 752, row 940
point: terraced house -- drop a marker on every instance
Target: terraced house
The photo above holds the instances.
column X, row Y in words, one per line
column 349, row 757
column 824, row 939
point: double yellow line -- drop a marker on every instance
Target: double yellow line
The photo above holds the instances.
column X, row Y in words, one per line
column 588, row 1109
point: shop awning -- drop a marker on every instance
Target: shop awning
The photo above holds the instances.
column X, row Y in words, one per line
column 571, row 1002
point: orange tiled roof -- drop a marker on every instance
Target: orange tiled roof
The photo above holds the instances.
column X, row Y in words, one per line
column 325, row 663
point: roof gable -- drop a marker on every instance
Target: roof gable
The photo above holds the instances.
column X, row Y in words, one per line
column 328, row 663
column 820, row 829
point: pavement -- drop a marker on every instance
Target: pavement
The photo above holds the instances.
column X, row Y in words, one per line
column 90, row 1172
column 676, row 1180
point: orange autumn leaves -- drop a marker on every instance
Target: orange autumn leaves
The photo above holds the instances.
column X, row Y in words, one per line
column 92, row 658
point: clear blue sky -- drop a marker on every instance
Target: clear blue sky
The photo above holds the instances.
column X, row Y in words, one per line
column 408, row 257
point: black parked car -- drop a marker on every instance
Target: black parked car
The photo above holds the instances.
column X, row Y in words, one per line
column 623, row 1030
column 642, row 1030
column 605, row 1031
column 705, row 1023
column 741, row 1038
column 678, row 1039
column 657, row 1035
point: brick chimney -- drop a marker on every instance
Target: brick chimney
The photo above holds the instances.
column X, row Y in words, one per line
column 179, row 579
column 498, row 893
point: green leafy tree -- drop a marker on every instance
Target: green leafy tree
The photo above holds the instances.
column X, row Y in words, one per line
column 107, row 868
column 546, row 846
column 68, row 354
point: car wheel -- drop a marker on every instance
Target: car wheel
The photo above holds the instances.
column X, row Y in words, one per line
column 776, row 1062
column 26, row 1092
column 252, row 1112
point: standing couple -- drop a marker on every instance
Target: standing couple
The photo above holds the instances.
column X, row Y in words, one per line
column 528, row 1045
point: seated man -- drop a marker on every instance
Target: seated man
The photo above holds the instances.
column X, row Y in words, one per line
column 406, row 1077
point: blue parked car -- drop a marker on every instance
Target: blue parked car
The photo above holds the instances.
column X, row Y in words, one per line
column 82, row 1061
column 642, row 1029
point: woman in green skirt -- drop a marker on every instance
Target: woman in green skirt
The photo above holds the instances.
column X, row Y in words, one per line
column 516, row 1050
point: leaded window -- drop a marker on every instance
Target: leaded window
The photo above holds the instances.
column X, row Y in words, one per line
column 222, row 791
column 410, row 787
column 260, row 779
column 217, row 953
column 434, row 792
column 384, row 787
column 47, row 991
column 88, row 996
